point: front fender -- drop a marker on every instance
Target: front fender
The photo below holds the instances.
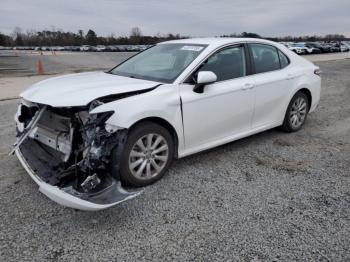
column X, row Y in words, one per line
column 162, row 102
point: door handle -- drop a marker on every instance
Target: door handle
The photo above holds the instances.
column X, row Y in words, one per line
column 247, row 86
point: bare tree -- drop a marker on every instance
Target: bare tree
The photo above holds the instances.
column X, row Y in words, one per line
column 135, row 35
column 91, row 37
column 135, row 32
column 17, row 36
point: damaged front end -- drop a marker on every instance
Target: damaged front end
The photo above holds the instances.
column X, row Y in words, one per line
column 68, row 153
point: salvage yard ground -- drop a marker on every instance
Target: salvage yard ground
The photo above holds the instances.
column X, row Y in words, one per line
column 272, row 196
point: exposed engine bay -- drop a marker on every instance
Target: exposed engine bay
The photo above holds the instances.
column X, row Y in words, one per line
column 71, row 149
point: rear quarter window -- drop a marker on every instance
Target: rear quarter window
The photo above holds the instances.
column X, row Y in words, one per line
column 265, row 58
column 283, row 59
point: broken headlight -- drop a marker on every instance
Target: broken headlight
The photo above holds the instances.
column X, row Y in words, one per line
column 96, row 139
column 99, row 119
column 25, row 113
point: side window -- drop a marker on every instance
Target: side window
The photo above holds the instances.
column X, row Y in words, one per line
column 283, row 59
column 227, row 64
column 265, row 58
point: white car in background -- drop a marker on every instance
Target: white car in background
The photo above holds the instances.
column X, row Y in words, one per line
column 100, row 48
column 57, row 48
column 85, row 48
column 308, row 48
column 344, row 47
column 82, row 136
column 296, row 49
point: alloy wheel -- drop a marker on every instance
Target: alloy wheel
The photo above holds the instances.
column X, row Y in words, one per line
column 148, row 156
column 298, row 112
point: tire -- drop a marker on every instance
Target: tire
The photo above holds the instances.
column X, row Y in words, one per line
column 296, row 113
column 154, row 163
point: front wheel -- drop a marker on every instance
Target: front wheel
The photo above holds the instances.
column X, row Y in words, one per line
column 147, row 154
column 296, row 114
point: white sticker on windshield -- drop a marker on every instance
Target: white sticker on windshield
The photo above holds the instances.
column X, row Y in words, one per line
column 192, row 48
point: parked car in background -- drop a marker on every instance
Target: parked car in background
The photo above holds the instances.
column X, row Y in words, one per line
column 344, row 48
column 85, row 48
column 72, row 48
column 348, row 46
column 334, row 47
column 100, row 48
column 323, row 48
column 120, row 48
column 111, row 48
column 81, row 136
column 75, row 48
column 57, row 48
column 310, row 49
column 67, row 48
column 328, row 47
column 22, row 48
column 296, row 49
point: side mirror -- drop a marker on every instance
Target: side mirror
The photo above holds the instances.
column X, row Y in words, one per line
column 204, row 78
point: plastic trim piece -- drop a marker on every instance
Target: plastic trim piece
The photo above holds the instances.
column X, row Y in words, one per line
column 59, row 196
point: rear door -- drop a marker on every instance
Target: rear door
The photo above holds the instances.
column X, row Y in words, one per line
column 273, row 80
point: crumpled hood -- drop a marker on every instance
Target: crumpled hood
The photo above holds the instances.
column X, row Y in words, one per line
column 80, row 89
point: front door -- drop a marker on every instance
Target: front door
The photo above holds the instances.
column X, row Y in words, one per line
column 225, row 107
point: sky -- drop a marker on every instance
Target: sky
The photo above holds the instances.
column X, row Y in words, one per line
column 196, row 18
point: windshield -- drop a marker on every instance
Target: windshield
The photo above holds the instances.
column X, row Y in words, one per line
column 162, row 63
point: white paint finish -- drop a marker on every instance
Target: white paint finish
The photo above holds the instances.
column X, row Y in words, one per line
column 314, row 87
column 223, row 109
column 206, row 77
column 80, row 89
column 162, row 102
column 208, row 117
column 224, row 112
column 270, row 96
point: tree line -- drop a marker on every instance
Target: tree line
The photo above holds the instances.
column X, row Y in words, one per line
column 60, row 38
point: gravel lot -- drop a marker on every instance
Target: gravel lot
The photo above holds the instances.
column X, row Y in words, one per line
column 270, row 197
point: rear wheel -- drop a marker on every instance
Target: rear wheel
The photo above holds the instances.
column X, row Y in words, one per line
column 296, row 114
column 147, row 154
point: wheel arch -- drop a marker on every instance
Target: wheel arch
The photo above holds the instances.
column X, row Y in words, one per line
column 308, row 94
column 164, row 123
column 303, row 90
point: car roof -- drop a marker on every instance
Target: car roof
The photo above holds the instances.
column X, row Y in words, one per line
column 217, row 41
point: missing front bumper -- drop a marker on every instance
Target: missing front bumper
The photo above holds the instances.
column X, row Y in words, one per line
column 67, row 196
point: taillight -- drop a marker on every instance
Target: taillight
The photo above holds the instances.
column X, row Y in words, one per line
column 317, row 72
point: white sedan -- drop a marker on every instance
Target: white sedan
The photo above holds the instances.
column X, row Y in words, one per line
column 81, row 137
